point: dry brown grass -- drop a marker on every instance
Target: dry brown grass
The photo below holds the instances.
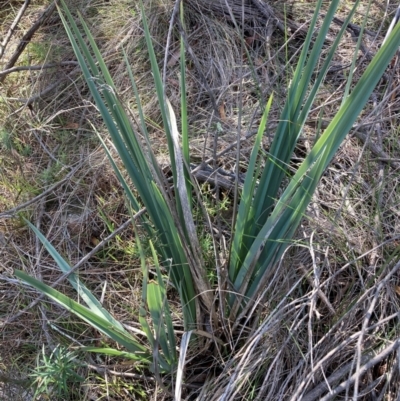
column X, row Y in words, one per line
column 334, row 300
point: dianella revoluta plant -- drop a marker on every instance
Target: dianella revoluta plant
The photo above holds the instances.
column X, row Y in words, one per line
column 268, row 213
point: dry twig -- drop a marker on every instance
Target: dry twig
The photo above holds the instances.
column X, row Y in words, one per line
column 13, row 27
column 37, row 67
column 28, row 36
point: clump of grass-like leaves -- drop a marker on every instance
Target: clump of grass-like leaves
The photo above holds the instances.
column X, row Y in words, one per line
column 267, row 216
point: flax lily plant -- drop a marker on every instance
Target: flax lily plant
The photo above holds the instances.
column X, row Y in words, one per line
column 266, row 220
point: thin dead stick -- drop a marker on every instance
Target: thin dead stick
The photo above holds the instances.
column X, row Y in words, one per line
column 363, row 334
column 370, row 364
column 355, row 28
column 74, row 268
column 28, row 36
column 13, row 27
column 322, row 387
column 168, row 44
column 377, row 151
column 37, row 67
column 320, row 293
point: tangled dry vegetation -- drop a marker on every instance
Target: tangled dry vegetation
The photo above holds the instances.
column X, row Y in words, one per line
column 331, row 323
